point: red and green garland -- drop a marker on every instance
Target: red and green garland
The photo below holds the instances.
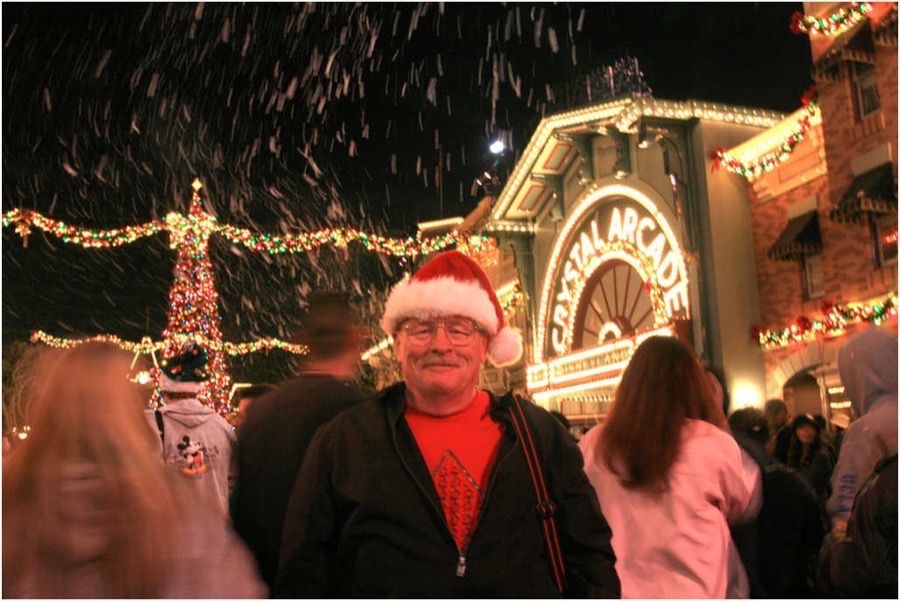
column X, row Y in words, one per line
column 768, row 161
column 835, row 319
column 834, row 25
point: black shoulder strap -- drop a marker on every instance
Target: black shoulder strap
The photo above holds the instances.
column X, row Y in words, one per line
column 159, row 425
column 546, row 509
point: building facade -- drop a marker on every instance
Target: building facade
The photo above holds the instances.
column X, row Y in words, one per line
column 825, row 220
column 617, row 227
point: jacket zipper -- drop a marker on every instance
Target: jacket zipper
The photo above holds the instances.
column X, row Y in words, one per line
column 461, row 566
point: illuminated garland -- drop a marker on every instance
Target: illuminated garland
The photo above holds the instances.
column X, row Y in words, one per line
column 24, row 220
column 201, row 226
column 147, row 347
column 834, row 25
column 768, row 161
column 834, row 320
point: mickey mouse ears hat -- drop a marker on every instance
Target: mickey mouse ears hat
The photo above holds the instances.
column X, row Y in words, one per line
column 453, row 284
column 186, row 371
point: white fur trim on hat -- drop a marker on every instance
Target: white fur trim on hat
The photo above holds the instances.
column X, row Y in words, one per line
column 167, row 384
column 436, row 297
column 506, row 347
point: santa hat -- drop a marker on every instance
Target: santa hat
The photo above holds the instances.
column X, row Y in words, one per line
column 186, row 371
column 453, row 284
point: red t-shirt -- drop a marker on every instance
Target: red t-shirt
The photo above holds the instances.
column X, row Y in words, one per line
column 459, row 450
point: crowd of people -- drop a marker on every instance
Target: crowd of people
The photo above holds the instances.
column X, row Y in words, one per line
column 436, row 487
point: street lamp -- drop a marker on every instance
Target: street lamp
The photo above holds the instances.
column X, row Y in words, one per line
column 497, row 147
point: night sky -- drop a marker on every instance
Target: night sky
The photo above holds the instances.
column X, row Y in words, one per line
column 300, row 116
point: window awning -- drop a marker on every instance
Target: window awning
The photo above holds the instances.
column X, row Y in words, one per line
column 856, row 45
column 799, row 238
column 873, row 192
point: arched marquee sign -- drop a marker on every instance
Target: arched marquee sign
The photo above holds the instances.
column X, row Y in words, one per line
column 615, row 275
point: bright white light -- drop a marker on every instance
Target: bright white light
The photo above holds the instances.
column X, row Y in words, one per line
column 497, row 146
column 746, row 394
column 143, row 378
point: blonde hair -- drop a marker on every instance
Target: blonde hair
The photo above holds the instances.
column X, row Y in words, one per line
column 86, row 413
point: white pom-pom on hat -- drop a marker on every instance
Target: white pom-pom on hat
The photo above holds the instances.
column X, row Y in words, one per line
column 454, row 284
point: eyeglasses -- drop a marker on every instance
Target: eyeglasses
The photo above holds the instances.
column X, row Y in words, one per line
column 460, row 331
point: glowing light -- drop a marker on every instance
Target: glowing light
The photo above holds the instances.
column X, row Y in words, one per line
column 834, row 25
column 753, row 164
column 835, row 318
column 746, row 394
column 497, row 147
column 571, row 228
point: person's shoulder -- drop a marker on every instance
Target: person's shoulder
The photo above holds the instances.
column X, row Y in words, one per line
column 357, row 416
column 705, row 438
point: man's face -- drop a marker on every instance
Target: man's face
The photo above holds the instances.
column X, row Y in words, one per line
column 441, row 357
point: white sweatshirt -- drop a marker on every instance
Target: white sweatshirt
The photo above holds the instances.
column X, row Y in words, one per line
column 677, row 544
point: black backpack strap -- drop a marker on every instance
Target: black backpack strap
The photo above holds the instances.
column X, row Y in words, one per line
column 159, row 425
column 546, row 509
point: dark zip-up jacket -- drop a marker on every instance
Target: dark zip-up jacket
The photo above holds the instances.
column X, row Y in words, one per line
column 365, row 519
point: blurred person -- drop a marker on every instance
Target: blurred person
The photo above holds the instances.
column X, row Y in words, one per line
column 745, row 535
column 789, row 528
column 863, row 564
column 280, row 426
column 425, row 490
column 89, row 510
column 867, row 364
column 826, row 436
column 808, row 455
column 192, row 436
column 779, row 429
column 670, row 479
column 245, row 397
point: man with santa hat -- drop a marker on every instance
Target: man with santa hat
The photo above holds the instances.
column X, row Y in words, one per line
column 425, row 490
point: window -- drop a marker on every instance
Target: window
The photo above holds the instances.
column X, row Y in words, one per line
column 884, row 232
column 813, row 276
column 865, row 89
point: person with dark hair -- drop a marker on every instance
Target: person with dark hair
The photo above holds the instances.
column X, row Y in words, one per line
column 788, row 530
column 90, row 511
column 192, row 436
column 277, row 431
column 243, row 398
column 670, row 479
column 426, row 490
column 807, row 455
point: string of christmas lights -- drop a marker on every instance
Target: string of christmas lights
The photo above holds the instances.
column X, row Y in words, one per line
column 232, row 349
column 768, row 161
column 835, row 319
column 24, row 220
column 197, row 229
column 832, row 26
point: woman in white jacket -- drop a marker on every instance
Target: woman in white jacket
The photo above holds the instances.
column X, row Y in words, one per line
column 670, row 479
